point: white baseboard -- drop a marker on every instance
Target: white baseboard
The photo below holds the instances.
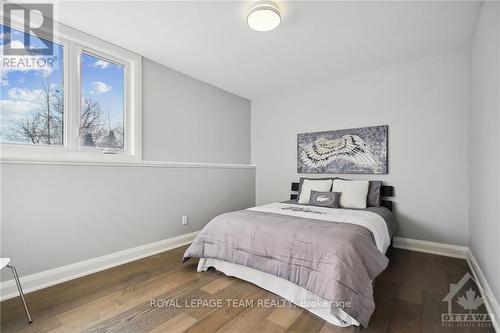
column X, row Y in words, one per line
column 447, row 250
column 490, row 301
column 58, row 275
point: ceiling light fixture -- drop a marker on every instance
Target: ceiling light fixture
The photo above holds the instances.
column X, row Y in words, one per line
column 264, row 16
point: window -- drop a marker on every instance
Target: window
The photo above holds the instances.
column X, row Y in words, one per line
column 84, row 107
column 101, row 114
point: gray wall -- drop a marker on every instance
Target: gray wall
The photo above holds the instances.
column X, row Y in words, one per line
column 425, row 105
column 54, row 215
column 188, row 120
column 484, row 144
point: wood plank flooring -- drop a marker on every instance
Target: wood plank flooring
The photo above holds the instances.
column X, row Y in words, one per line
column 407, row 294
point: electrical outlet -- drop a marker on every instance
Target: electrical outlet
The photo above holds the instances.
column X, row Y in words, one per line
column 184, row 220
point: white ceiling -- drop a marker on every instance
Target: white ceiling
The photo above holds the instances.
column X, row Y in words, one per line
column 316, row 41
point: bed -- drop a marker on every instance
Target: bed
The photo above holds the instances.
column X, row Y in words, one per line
column 321, row 259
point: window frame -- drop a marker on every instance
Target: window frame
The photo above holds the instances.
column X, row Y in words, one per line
column 75, row 42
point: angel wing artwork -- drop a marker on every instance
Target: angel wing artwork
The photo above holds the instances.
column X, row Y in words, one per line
column 359, row 150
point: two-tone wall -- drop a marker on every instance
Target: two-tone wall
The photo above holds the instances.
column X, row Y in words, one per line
column 56, row 215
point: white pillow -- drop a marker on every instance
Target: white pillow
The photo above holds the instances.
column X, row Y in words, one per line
column 308, row 185
column 353, row 192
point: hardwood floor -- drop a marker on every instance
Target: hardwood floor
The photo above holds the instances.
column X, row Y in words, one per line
column 408, row 296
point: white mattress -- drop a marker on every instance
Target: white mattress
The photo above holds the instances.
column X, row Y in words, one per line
column 283, row 288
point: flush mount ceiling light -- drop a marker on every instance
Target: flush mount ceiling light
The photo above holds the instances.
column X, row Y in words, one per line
column 264, row 16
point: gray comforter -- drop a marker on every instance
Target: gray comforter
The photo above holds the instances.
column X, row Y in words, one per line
column 336, row 261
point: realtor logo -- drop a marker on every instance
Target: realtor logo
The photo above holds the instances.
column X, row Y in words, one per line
column 43, row 30
column 469, row 312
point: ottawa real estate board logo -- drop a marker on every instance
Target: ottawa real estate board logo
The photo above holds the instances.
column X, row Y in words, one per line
column 466, row 307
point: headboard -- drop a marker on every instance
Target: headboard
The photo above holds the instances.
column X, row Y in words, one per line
column 387, row 192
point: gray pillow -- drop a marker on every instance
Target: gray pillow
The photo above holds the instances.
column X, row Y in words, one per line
column 374, row 197
column 325, row 199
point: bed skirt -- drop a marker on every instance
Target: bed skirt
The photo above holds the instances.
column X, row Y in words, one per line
column 281, row 287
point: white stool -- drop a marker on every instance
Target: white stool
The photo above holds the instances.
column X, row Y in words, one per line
column 4, row 262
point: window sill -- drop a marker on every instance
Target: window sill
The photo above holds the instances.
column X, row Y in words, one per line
column 57, row 155
column 124, row 162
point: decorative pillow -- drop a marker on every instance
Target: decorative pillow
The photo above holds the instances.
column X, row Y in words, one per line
column 308, row 185
column 325, row 199
column 354, row 192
